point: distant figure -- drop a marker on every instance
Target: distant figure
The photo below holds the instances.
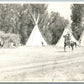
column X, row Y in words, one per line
column 42, row 43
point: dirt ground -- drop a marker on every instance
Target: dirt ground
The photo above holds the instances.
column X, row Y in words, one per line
column 48, row 63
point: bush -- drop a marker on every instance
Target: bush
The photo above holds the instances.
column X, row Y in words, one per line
column 10, row 40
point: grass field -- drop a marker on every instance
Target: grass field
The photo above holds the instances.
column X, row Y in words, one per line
column 41, row 64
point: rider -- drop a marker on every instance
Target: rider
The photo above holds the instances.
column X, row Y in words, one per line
column 67, row 38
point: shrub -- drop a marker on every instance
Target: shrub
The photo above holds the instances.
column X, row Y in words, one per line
column 10, row 40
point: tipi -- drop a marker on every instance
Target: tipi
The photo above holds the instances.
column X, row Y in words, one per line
column 81, row 40
column 60, row 42
column 35, row 38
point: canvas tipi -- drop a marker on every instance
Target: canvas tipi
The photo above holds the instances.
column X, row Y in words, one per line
column 60, row 42
column 36, row 38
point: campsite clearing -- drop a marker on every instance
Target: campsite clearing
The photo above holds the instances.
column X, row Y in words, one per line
column 48, row 63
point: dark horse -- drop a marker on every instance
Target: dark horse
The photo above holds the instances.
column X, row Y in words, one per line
column 68, row 42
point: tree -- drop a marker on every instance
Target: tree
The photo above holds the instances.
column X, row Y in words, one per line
column 77, row 12
column 56, row 26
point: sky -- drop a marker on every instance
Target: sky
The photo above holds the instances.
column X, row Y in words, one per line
column 64, row 9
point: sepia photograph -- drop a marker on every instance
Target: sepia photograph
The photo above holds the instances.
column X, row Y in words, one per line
column 41, row 42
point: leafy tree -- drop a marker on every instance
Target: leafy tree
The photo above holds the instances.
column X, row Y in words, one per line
column 77, row 12
column 56, row 26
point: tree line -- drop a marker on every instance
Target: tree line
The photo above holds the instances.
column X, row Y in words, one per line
column 17, row 19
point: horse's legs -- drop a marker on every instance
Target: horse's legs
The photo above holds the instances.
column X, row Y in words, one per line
column 72, row 47
column 64, row 47
column 75, row 44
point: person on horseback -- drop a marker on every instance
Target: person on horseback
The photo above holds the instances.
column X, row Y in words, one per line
column 67, row 38
column 68, row 41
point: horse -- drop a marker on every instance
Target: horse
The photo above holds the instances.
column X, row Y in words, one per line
column 69, row 42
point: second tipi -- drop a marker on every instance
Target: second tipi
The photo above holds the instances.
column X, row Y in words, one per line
column 60, row 42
